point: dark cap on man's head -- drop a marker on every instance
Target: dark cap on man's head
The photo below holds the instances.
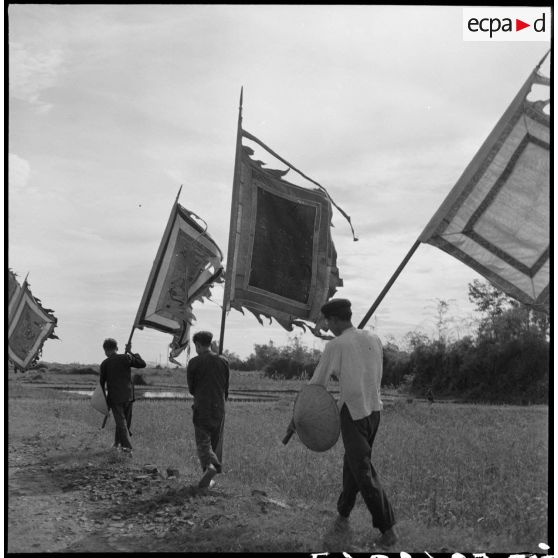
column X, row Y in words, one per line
column 336, row 307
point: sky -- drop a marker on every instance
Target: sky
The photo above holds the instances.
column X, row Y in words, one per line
column 113, row 107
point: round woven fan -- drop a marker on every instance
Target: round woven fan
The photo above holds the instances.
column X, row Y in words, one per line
column 316, row 418
column 98, row 401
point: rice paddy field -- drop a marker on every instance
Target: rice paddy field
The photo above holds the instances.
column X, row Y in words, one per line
column 460, row 477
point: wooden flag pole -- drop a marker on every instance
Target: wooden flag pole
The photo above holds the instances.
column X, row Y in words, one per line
column 129, row 344
column 389, row 284
column 178, row 195
column 537, row 67
column 232, row 226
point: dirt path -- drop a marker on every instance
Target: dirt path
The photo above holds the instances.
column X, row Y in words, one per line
column 67, row 497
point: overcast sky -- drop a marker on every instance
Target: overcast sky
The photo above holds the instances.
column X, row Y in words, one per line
column 112, row 108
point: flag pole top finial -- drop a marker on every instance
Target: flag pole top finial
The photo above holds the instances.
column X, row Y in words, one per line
column 542, row 60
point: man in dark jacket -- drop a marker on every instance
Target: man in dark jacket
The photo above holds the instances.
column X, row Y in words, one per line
column 208, row 381
column 116, row 374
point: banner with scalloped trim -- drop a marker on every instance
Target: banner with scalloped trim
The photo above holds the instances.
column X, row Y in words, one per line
column 187, row 265
column 496, row 219
column 29, row 325
column 283, row 260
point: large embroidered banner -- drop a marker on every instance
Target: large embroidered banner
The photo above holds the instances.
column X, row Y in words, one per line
column 282, row 261
column 187, row 265
column 14, row 290
column 496, row 219
column 29, row 325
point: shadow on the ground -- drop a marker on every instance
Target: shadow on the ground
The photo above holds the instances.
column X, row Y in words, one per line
column 80, row 455
column 172, row 500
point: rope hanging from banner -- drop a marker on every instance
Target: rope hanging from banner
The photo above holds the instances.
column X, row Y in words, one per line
column 249, row 136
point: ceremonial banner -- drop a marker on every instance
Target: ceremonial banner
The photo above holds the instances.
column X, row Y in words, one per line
column 496, row 219
column 30, row 325
column 187, row 265
column 282, row 261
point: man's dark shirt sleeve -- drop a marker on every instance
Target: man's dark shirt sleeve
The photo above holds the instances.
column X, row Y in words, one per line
column 191, row 376
column 227, row 377
column 136, row 361
column 103, row 376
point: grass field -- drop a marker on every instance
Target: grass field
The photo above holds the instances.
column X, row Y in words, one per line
column 442, row 466
column 476, row 475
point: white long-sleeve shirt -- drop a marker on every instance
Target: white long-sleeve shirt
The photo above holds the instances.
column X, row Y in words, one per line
column 355, row 357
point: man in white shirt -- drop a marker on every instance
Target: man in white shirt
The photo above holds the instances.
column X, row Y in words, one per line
column 355, row 357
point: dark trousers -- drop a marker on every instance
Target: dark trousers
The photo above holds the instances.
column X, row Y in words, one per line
column 359, row 474
column 122, row 413
column 209, row 442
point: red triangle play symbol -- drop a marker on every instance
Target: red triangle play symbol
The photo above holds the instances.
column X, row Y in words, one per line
column 519, row 25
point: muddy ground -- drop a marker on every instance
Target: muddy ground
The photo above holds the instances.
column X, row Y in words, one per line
column 71, row 498
column 71, row 493
column 68, row 491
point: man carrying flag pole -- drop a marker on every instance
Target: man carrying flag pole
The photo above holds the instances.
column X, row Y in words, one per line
column 355, row 357
column 116, row 382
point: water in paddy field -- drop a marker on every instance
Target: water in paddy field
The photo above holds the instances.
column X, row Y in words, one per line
column 142, row 395
column 175, row 394
column 254, row 396
column 236, row 395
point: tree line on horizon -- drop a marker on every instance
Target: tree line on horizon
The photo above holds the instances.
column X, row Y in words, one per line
column 505, row 360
